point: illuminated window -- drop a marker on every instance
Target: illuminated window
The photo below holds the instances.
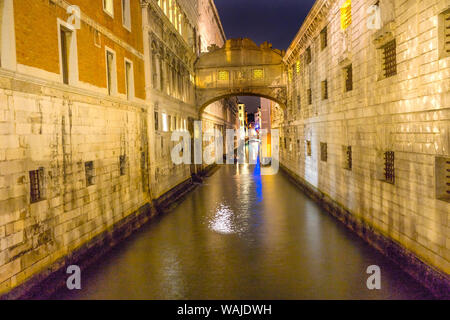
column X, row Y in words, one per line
column 389, row 59
column 224, row 75
column 444, row 34
column 290, row 74
column 348, row 78
column 324, row 38
column 297, row 66
column 348, row 161
column 165, row 125
column 323, row 152
column 346, row 14
column 258, row 74
column 108, row 7
column 36, row 185
column 325, row 90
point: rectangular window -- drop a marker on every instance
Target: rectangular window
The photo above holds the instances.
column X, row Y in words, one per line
column 123, row 165
column 165, row 125
column 308, row 55
column 346, row 14
column 308, row 148
column 444, row 34
column 258, row 74
column 224, row 75
column 129, row 79
column 89, row 171
column 36, row 185
column 126, row 14
column 389, row 169
column 348, row 78
column 111, row 73
column 297, row 66
column 108, row 7
column 347, row 151
column 309, row 96
column 156, row 121
column 323, row 152
column 65, row 36
column 442, row 170
column 323, row 38
column 389, row 59
column 325, row 90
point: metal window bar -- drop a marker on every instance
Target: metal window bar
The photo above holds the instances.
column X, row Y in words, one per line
column 349, row 158
column 447, row 32
column 325, row 90
column 390, row 59
column 389, row 170
column 35, row 186
column 349, row 78
column 309, row 96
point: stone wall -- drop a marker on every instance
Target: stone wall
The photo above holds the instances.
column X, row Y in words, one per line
column 407, row 113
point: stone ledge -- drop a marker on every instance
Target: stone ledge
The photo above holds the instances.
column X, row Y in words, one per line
column 434, row 280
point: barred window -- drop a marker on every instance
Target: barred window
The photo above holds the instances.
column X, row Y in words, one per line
column 258, row 74
column 123, row 165
column 346, row 14
column 389, row 170
column 156, row 121
column 444, row 34
column 308, row 56
column 442, row 170
column 308, row 148
column 323, row 38
column 298, row 102
column 36, row 185
column 89, row 171
column 348, row 161
column 323, row 152
column 325, row 90
column 389, row 59
column 348, row 77
column 309, row 96
column 224, row 75
column 297, row 66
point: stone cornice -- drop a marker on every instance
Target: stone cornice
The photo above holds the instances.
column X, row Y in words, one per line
column 308, row 29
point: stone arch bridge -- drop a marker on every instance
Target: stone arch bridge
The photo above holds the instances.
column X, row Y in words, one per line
column 242, row 68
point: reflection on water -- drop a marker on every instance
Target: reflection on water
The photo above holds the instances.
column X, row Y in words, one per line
column 243, row 236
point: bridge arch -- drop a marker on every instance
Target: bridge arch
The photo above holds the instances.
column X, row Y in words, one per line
column 240, row 68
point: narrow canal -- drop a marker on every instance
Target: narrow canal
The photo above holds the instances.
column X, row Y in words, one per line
column 243, row 236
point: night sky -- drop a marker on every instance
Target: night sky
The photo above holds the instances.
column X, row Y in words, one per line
column 276, row 21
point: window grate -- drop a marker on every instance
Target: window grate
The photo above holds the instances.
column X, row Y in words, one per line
column 36, row 185
column 224, row 75
column 447, row 31
column 123, row 165
column 156, row 121
column 348, row 157
column 325, row 90
column 308, row 148
column 389, row 170
column 390, row 59
column 89, row 171
column 447, row 177
column 348, row 74
column 308, row 55
column 323, row 152
column 309, row 96
column 258, row 74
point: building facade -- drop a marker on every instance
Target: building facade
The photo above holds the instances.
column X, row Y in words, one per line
column 368, row 118
column 89, row 93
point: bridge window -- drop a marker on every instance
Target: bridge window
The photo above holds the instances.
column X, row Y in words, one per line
column 347, row 152
column 224, row 75
column 346, row 14
column 389, row 59
column 308, row 148
column 323, row 152
column 442, row 169
column 89, row 172
column 123, row 165
column 324, row 90
column 258, row 74
column 348, row 78
column 444, row 34
column 36, row 185
column 324, row 38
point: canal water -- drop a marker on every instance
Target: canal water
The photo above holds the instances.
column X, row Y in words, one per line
column 241, row 235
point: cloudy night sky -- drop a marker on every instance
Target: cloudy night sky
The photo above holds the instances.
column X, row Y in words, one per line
column 276, row 21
